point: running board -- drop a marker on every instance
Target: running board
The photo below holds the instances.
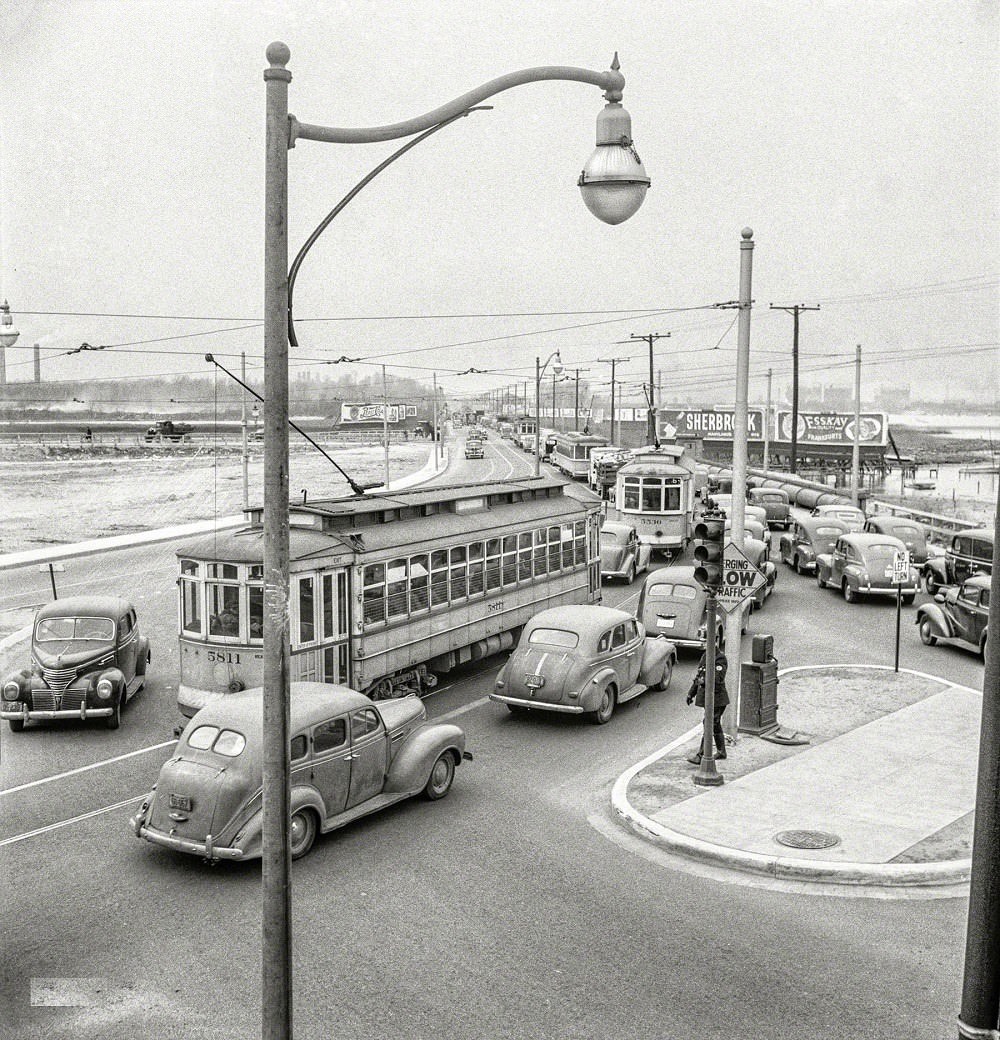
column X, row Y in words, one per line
column 632, row 692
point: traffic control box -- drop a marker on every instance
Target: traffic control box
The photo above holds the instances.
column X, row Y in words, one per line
column 759, row 689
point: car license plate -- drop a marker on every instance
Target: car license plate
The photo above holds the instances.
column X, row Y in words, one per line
column 888, row 572
column 664, row 622
column 180, row 801
column 534, row 682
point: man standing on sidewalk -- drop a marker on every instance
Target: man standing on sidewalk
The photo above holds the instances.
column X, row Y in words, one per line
column 697, row 695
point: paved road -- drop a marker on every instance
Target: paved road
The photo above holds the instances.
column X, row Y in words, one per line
column 514, row 908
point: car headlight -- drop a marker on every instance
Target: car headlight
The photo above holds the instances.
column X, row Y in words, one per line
column 12, row 691
column 105, row 688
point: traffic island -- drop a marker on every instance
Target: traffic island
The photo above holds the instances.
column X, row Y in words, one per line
column 882, row 795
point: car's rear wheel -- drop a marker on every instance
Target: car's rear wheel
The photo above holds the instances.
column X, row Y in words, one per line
column 819, row 578
column 439, row 782
column 607, row 706
column 927, row 636
column 982, row 646
column 302, row 832
column 114, row 720
column 850, row 594
column 931, row 584
column 630, row 576
column 16, row 725
column 668, row 671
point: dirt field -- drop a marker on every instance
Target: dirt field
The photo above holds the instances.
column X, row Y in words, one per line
column 59, row 495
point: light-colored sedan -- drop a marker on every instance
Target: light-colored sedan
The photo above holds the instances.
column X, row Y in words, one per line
column 583, row 660
column 862, row 565
column 622, row 554
column 349, row 757
column 850, row 515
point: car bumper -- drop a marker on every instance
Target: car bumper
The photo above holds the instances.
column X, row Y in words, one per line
column 27, row 714
column 881, row 590
column 521, row 702
column 194, row 848
column 614, row 574
column 191, row 699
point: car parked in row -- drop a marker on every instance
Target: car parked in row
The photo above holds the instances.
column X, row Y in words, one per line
column 622, row 554
column 969, row 552
column 808, row 539
column 583, row 660
column 88, row 659
column 853, row 517
column 911, row 533
column 960, row 615
column 349, row 757
column 862, row 565
column 776, row 504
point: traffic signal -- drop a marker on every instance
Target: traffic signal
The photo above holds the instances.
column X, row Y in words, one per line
column 709, row 538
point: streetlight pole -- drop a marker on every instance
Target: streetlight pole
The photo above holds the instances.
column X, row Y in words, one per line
column 767, row 424
column 613, row 185
column 539, row 371
column 856, row 449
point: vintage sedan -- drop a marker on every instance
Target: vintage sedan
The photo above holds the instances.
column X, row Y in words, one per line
column 757, row 551
column 750, row 510
column 88, row 659
column 862, row 565
column 960, row 615
column 583, row 660
column 672, row 603
column 969, row 552
column 349, row 757
column 807, row 539
column 775, row 502
column 622, row 554
column 850, row 515
column 910, row 532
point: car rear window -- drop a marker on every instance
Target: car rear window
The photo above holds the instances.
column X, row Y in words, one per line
column 772, row 498
column 610, row 537
column 829, row 532
column 222, row 741
column 61, row 628
column 848, row 515
column 881, row 551
column 661, row 590
column 906, row 532
column 555, row 637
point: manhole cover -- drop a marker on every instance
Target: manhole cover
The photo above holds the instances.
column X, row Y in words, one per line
column 807, row 839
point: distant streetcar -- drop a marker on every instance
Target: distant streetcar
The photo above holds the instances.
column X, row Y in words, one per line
column 573, row 450
column 386, row 589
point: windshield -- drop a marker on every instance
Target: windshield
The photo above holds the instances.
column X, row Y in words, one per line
column 555, row 637
column 61, row 629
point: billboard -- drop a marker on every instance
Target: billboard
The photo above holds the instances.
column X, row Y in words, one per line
column 706, row 423
column 834, row 428
column 367, row 413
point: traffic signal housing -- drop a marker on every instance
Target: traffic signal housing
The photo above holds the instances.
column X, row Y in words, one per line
column 709, row 539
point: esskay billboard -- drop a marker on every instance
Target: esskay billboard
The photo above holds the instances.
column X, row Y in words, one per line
column 707, row 424
column 834, row 428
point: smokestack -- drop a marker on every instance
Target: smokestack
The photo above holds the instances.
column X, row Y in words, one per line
column 38, row 364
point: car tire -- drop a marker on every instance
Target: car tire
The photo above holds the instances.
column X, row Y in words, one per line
column 982, row 646
column 16, row 725
column 143, row 663
column 927, row 636
column 114, row 720
column 796, row 565
column 668, row 672
column 850, row 594
column 819, row 578
column 606, row 708
column 442, row 775
column 931, row 584
column 630, row 575
column 301, row 832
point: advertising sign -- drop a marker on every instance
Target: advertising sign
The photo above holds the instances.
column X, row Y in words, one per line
column 706, row 423
column 366, row 413
column 834, row 427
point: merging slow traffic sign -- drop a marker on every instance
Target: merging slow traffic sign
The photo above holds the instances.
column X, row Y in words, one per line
column 740, row 578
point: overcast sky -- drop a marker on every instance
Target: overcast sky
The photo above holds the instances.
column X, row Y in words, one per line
column 858, row 139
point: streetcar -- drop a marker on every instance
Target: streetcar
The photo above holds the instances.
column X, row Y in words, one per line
column 654, row 491
column 524, row 433
column 573, row 450
column 386, row 589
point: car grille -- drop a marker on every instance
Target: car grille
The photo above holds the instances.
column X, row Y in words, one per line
column 58, row 678
column 42, row 700
column 72, row 699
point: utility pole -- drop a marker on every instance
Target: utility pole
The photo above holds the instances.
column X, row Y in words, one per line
column 650, row 338
column 767, row 424
column 434, row 421
column 385, row 426
column 576, row 407
column 613, row 362
column 794, row 312
column 243, row 427
column 856, row 450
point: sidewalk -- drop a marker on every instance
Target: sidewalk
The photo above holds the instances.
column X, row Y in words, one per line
column 883, row 795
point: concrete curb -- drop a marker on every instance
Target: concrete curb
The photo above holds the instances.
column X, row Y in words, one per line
column 786, row 868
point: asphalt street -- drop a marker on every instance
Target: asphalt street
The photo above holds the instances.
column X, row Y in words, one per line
column 516, row 907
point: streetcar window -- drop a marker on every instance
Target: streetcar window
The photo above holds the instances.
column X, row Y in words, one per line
column 492, row 564
column 439, row 577
column 255, row 604
column 567, row 545
column 189, row 567
column 327, row 606
column 255, row 572
column 223, row 570
column 374, row 593
column 524, row 556
column 539, row 553
column 580, row 542
column 459, row 574
column 223, row 610
column 631, row 489
column 652, row 496
column 419, row 583
column 190, row 606
column 510, row 560
column 554, row 548
column 397, row 588
column 671, row 496
column 307, row 610
column 555, row 637
column 477, row 577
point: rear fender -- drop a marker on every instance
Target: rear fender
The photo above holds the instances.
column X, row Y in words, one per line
column 655, row 654
column 936, row 566
column 412, row 763
column 590, row 696
column 937, row 617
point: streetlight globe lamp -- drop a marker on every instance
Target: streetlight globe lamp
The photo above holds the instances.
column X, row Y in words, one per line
column 614, row 181
column 557, row 365
column 8, row 334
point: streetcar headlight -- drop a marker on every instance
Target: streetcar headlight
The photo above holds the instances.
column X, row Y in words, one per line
column 105, row 688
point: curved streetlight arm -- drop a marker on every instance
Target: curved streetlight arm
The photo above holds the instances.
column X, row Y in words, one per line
column 297, row 262
column 611, row 82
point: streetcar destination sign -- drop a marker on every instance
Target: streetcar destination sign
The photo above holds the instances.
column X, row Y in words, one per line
column 740, row 578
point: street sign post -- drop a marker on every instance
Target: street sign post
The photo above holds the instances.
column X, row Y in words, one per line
column 740, row 578
column 900, row 573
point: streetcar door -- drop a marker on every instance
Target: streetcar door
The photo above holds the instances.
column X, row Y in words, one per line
column 335, row 627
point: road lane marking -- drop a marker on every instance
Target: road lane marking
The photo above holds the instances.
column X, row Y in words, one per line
column 461, row 711
column 68, row 992
column 67, row 823
column 15, row 637
column 84, row 769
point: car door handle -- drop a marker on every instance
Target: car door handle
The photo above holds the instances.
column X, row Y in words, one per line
column 631, row 653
